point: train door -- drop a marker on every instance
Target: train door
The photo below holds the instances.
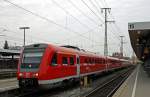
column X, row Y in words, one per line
column 64, row 64
column 78, row 65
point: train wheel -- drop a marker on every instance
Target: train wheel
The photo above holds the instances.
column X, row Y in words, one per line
column 28, row 83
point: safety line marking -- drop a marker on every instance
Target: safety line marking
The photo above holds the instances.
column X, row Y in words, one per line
column 135, row 83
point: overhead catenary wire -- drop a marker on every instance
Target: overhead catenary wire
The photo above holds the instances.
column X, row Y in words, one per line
column 91, row 10
column 97, row 9
column 115, row 36
column 69, row 13
column 82, row 12
column 77, row 36
column 98, row 4
column 115, row 25
column 114, row 32
column 61, row 26
column 48, row 20
column 34, row 38
column 111, row 15
column 104, row 2
column 120, row 33
column 83, row 34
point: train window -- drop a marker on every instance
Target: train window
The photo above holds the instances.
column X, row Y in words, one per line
column 90, row 60
column 104, row 61
column 100, row 61
column 54, row 60
column 93, row 61
column 78, row 60
column 85, row 60
column 97, row 61
column 64, row 60
column 71, row 61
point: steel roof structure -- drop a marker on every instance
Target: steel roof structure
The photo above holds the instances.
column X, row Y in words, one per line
column 7, row 52
column 139, row 33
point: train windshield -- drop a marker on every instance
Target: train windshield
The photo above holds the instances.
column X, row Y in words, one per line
column 31, row 59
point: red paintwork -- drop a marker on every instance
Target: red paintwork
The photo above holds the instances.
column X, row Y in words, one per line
column 48, row 72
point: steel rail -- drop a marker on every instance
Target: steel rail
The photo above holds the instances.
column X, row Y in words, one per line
column 121, row 78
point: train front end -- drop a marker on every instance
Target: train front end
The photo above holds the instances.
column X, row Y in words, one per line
column 29, row 65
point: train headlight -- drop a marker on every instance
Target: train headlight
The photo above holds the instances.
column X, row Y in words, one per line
column 20, row 74
column 36, row 74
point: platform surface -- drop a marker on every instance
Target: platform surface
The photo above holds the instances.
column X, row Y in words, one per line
column 8, row 84
column 137, row 85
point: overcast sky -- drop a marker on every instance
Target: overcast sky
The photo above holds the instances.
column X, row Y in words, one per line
column 70, row 22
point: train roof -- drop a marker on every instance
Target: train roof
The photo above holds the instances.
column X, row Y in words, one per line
column 69, row 50
column 113, row 58
column 75, row 51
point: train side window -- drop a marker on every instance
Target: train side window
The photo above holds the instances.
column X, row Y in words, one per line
column 86, row 61
column 54, row 60
column 90, row 60
column 64, row 61
column 100, row 61
column 71, row 61
column 93, row 60
column 78, row 60
column 96, row 61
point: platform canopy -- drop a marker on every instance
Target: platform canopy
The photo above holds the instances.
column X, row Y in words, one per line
column 139, row 33
column 7, row 52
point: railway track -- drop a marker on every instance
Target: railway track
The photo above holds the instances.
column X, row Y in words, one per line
column 103, row 90
column 108, row 89
column 7, row 74
column 35, row 92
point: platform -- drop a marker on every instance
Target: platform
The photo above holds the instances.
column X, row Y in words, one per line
column 137, row 85
column 8, row 84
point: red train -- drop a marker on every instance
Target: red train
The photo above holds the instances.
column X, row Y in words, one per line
column 48, row 64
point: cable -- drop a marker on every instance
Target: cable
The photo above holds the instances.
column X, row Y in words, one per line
column 68, row 13
column 114, row 37
column 35, row 38
column 94, row 6
column 50, row 21
column 98, row 4
column 118, row 30
column 105, row 3
column 82, row 12
column 82, row 34
column 92, row 10
column 115, row 32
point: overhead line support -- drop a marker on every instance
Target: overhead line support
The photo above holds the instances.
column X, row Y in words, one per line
column 106, row 10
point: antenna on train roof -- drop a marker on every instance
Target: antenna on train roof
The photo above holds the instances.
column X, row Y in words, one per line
column 69, row 46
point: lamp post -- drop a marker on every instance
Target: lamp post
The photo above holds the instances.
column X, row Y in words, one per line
column 24, row 28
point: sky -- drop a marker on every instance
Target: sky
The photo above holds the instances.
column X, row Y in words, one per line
column 70, row 22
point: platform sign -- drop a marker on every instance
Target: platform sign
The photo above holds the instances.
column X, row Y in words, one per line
column 139, row 26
